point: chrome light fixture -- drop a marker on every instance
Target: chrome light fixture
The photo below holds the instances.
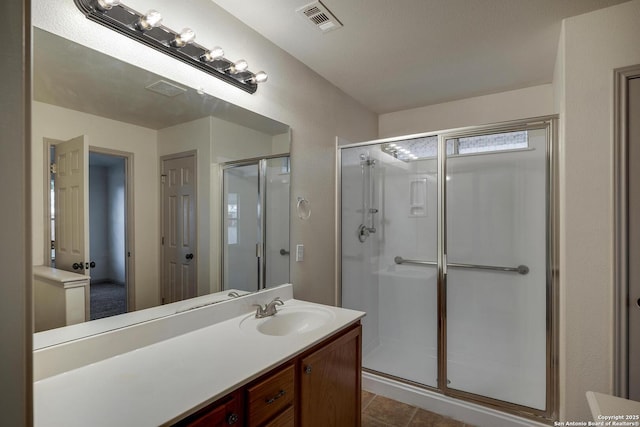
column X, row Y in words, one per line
column 151, row 20
column 107, row 4
column 148, row 29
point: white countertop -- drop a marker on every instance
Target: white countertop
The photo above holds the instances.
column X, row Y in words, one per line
column 54, row 275
column 158, row 383
column 605, row 407
column 80, row 330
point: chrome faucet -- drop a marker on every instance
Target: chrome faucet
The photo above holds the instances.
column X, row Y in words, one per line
column 269, row 309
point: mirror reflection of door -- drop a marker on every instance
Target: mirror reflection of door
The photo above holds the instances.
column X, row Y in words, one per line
column 179, row 258
column 70, row 214
column 256, row 224
column 88, row 212
column 277, row 190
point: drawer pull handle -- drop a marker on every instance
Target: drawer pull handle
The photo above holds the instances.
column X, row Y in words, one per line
column 276, row 397
column 232, row 419
column 307, row 369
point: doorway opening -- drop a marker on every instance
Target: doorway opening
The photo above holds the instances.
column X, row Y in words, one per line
column 108, row 213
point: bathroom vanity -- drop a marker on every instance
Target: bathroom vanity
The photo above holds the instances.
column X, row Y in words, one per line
column 318, row 388
column 213, row 365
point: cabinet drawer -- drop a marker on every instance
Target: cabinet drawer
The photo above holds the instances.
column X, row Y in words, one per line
column 225, row 412
column 285, row 419
column 270, row 397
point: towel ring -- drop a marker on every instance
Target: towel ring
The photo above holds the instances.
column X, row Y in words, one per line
column 303, row 208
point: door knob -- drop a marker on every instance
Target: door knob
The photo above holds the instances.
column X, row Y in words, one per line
column 77, row 266
column 92, row 264
column 189, row 256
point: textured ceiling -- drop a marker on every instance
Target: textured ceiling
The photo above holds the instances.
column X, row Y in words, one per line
column 397, row 54
column 73, row 76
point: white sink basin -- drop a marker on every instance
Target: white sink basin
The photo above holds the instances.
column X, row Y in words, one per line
column 289, row 321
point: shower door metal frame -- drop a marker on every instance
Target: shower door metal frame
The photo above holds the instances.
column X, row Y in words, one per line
column 549, row 123
column 261, row 162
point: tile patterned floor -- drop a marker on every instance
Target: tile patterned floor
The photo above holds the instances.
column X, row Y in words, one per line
column 379, row 411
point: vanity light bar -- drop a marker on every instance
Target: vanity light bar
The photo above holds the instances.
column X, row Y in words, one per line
column 148, row 29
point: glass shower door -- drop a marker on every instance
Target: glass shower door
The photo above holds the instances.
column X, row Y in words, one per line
column 276, row 244
column 241, row 227
column 496, row 266
column 256, row 224
column 389, row 217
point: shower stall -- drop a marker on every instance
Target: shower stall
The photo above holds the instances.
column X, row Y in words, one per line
column 447, row 242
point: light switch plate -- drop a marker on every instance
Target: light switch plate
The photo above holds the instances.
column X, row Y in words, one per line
column 299, row 253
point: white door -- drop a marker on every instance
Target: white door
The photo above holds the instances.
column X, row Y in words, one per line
column 179, row 257
column 72, row 205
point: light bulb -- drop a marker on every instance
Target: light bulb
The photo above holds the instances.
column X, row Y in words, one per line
column 150, row 20
column 107, row 4
column 259, row 77
column 185, row 37
column 239, row 66
column 213, row 54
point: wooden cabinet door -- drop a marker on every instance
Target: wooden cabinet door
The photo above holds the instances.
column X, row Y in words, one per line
column 228, row 412
column 331, row 383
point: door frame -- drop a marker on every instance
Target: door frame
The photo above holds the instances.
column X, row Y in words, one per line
column 129, row 212
column 621, row 77
column 188, row 153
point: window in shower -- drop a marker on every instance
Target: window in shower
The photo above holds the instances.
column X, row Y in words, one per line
column 232, row 218
column 427, row 147
column 488, row 143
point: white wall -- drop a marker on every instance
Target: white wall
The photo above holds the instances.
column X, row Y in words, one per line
column 231, row 141
column 98, row 223
column 316, row 110
column 15, row 258
column 593, row 45
column 59, row 123
column 107, row 221
column 117, row 202
column 499, row 107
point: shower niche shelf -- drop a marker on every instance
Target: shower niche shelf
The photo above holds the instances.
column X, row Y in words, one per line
column 418, row 198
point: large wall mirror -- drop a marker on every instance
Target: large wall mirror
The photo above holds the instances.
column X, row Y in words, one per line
column 186, row 192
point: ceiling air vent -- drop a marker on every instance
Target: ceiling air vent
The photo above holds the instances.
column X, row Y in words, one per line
column 320, row 17
column 165, row 88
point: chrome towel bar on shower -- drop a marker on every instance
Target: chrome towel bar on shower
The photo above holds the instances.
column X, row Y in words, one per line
column 521, row 269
